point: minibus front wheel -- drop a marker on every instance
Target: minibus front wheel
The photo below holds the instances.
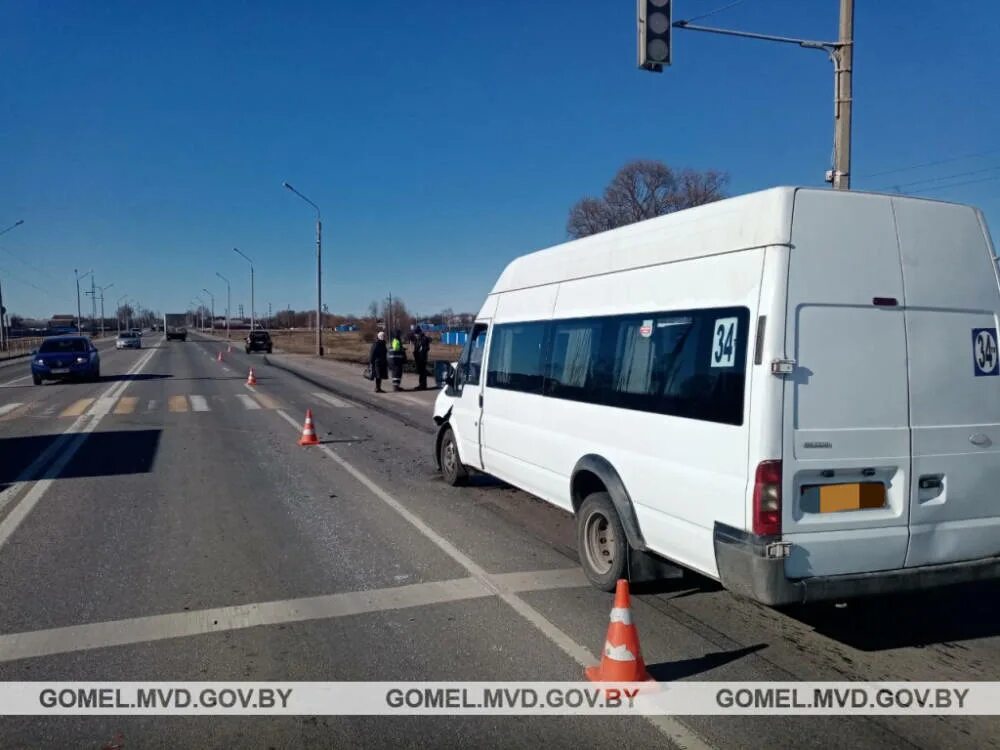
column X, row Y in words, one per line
column 601, row 541
column 452, row 469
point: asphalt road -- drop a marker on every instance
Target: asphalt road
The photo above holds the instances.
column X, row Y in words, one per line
column 145, row 519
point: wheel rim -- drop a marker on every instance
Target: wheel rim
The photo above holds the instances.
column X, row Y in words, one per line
column 599, row 543
column 448, row 460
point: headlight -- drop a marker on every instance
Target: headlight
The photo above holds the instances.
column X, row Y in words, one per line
column 39, row 361
column 81, row 360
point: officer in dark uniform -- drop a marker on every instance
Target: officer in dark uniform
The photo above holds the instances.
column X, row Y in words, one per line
column 421, row 350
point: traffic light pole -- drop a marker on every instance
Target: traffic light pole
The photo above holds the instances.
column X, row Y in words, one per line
column 841, row 55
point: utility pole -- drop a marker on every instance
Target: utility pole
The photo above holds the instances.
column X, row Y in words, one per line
column 102, row 307
column 844, row 62
column 841, row 53
column 4, row 343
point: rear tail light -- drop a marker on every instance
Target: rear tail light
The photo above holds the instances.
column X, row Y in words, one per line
column 767, row 499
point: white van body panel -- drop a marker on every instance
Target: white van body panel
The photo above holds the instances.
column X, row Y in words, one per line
column 845, row 406
column 951, row 291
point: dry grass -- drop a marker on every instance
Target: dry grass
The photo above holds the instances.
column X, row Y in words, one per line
column 347, row 347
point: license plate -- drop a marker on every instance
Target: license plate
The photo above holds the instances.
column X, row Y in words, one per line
column 60, row 370
column 835, row 498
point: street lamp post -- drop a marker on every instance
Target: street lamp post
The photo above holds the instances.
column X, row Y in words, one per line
column 3, row 312
column 228, row 314
column 118, row 312
column 102, row 288
column 79, row 325
column 212, row 296
column 241, row 253
column 319, row 270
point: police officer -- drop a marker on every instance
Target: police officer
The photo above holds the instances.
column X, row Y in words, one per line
column 421, row 349
column 378, row 359
column 397, row 356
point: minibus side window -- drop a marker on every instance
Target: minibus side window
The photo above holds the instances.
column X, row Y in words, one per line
column 517, row 356
column 470, row 363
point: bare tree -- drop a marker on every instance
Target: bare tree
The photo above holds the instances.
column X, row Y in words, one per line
column 641, row 190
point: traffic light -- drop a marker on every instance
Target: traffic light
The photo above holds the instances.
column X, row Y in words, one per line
column 654, row 34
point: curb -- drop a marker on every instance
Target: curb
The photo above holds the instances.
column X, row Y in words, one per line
column 323, row 383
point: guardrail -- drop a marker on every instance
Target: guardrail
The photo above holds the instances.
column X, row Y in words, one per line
column 21, row 346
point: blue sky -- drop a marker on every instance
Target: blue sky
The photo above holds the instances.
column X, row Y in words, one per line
column 441, row 139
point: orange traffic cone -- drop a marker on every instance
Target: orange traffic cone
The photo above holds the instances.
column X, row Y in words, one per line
column 219, row 358
column 621, row 660
column 308, row 431
column 251, row 378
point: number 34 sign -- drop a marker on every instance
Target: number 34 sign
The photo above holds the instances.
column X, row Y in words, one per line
column 984, row 351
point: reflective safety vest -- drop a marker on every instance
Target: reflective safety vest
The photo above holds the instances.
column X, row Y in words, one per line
column 397, row 345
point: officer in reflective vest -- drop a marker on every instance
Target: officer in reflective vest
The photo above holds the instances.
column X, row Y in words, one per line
column 397, row 356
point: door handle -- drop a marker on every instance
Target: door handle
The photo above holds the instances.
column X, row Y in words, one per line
column 930, row 482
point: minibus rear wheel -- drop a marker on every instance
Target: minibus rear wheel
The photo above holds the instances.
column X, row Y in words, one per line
column 452, row 468
column 601, row 541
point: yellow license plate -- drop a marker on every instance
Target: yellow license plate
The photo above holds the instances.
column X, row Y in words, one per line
column 834, row 498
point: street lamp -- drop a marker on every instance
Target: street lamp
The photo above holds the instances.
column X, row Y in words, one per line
column 319, row 270
column 213, row 307
column 102, row 288
column 227, row 302
column 241, row 253
column 118, row 312
column 3, row 311
column 79, row 327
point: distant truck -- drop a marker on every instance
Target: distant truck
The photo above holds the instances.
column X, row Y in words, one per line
column 175, row 326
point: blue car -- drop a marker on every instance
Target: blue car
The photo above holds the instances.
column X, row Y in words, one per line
column 64, row 357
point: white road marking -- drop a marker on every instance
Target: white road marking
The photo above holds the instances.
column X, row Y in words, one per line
column 7, row 408
column 184, row 624
column 48, row 411
column 151, row 405
column 15, row 380
column 62, row 450
column 247, row 402
column 672, row 728
column 198, row 403
column 416, row 401
column 332, row 400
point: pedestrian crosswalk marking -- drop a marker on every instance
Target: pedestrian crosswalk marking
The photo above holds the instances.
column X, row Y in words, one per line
column 247, row 402
column 198, row 403
column 177, row 403
column 77, row 408
column 266, row 401
column 6, row 408
column 332, row 400
column 126, row 405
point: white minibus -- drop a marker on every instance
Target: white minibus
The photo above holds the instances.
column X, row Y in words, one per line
column 794, row 392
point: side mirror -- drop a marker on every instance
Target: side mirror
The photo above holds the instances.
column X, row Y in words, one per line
column 34, row 352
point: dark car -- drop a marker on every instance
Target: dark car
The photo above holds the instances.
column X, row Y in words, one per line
column 64, row 357
column 259, row 341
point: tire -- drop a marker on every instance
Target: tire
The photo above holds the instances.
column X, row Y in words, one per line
column 452, row 469
column 35, row 379
column 601, row 542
